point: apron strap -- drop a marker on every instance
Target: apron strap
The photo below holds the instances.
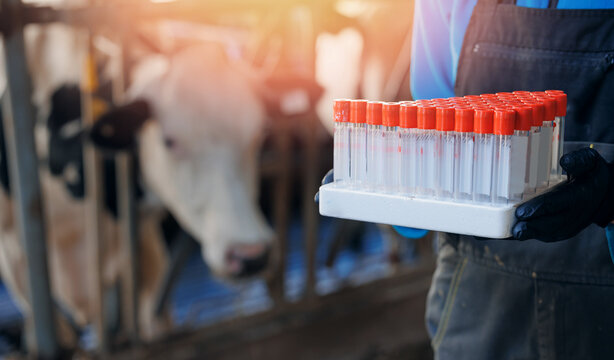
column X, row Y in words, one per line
column 552, row 4
column 496, row 2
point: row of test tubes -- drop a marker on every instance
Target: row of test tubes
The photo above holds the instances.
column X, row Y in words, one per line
column 490, row 149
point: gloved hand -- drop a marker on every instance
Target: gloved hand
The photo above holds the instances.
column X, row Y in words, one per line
column 406, row 232
column 586, row 197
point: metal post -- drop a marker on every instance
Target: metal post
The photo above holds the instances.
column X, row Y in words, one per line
column 126, row 200
column 92, row 166
column 310, row 211
column 23, row 164
column 281, row 191
column 302, row 56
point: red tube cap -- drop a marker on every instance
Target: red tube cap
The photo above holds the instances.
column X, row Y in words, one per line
column 426, row 117
column 483, row 121
column 390, row 114
column 550, row 106
column 341, row 110
column 374, row 113
column 561, row 101
column 538, row 111
column 463, row 119
column 524, row 117
column 408, row 116
column 358, row 111
column 504, row 122
column 444, row 118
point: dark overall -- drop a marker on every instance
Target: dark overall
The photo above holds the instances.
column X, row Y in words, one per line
column 502, row 299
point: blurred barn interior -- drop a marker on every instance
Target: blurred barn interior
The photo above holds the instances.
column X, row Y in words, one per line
column 178, row 134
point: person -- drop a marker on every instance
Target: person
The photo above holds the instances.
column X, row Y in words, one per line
column 548, row 296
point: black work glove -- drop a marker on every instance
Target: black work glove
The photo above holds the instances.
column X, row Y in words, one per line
column 586, row 197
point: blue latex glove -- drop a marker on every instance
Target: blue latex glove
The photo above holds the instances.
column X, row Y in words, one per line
column 328, row 178
column 406, row 232
column 410, row 233
column 587, row 197
column 609, row 233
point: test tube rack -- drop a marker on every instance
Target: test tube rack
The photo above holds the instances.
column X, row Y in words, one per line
column 459, row 165
column 468, row 218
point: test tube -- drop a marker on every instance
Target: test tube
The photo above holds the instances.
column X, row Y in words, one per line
column 341, row 151
column 522, row 93
column 444, row 119
column 408, row 123
column 375, row 149
column 503, row 131
column 545, row 146
column 520, row 152
column 426, row 144
column 358, row 143
column 543, row 169
column 559, row 132
column 463, row 153
column 534, row 142
column 483, row 155
column 390, row 122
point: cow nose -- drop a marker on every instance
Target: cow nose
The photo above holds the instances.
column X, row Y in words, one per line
column 247, row 260
column 169, row 142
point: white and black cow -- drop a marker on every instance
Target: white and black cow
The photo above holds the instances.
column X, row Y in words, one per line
column 196, row 124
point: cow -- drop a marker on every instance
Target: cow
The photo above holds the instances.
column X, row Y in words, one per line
column 195, row 121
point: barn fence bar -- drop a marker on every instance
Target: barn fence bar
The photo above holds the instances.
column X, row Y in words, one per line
column 95, row 227
column 23, row 164
column 281, row 209
column 127, row 211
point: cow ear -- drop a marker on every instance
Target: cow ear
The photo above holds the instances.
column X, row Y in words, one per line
column 117, row 128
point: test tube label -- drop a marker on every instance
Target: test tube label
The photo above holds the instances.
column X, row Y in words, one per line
column 465, row 169
column 518, row 163
column 534, row 159
column 447, row 164
column 545, row 156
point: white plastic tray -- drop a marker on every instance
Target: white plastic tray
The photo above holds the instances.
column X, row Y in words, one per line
column 429, row 214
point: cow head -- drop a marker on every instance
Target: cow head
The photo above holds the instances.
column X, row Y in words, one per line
column 196, row 123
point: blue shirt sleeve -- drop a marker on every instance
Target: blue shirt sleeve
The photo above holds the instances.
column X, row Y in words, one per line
column 432, row 71
column 438, row 32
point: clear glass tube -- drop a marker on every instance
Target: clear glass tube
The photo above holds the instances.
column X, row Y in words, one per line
column 463, row 166
column 375, row 158
column 533, row 159
column 519, row 168
column 409, row 170
column 391, row 159
column 341, row 156
column 556, row 155
column 545, row 155
column 445, row 174
column 427, row 154
column 483, row 167
column 561, row 138
column 502, row 168
column 358, row 155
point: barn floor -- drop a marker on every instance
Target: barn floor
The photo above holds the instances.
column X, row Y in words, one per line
column 371, row 330
column 384, row 331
